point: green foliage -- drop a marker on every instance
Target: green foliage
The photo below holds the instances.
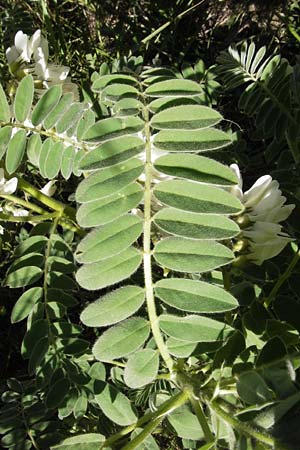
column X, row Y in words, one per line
column 165, row 339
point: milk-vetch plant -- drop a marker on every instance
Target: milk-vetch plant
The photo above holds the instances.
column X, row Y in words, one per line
column 155, row 225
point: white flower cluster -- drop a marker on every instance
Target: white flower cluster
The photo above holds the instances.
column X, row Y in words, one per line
column 265, row 209
column 30, row 55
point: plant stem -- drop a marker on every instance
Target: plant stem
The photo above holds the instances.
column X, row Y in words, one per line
column 245, row 428
column 166, row 408
column 25, row 203
column 201, row 419
column 282, row 279
column 154, row 321
column 143, row 434
column 40, row 218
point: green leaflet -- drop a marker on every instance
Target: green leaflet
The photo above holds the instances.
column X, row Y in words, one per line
column 186, row 117
column 5, row 134
column 60, row 108
column 162, row 103
column 113, row 307
column 106, row 80
column 68, row 157
column 114, row 404
column 191, row 140
column 141, row 368
column 69, row 120
column 194, row 296
column 50, row 160
column 86, row 441
column 107, row 181
column 194, row 328
column 38, row 353
column 196, row 168
column 117, row 268
column 15, row 151
column 109, row 240
column 127, row 106
column 104, row 210
column 45, row 104
column 175, row 87
column 190, row 255
column 24, row 98
column 31, row 245
column 112, row 152
column 121, row 339
column 196, row 226
column 180, row 349
column 25, row 304
column 57, row 393
column 195, row 197
column 23, row 277
column 34, row 148
column 113, row 127
column 4, row 106
column 119, row 90
column 185, row 424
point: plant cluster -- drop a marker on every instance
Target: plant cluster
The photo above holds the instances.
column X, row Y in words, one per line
column 152, row 308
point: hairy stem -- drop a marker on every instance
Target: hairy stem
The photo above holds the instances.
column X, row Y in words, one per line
column 201, row 419
column 143, row 434
column 154, row 322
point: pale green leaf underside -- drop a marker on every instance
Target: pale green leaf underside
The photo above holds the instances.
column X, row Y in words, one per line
column 175, row 87
column 195, row 226
column 194, row 296
column 113, row 127
column 5, row 134
column 141, row 368
column 195, row 197
column 23, row 98
column 193, row 328
column 15, row 151
column 185, row 117
column 45, row 104
column 186, row 424
column 180, row 349
column 117, row 268
column 112, row 152
column 190, row 255
column 86, row 441
column 110, row 239
column 115, row 405
column 122, row 339
column 107, row 181
column 4, row 106
column 191, row 140
column 104, row 210
column 113, row 307
column 106, row 80
column 196, row 168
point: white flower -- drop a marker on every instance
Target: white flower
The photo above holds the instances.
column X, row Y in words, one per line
column 265, row 209
column 30, row 55
column 24, row 47
column 49, row 188
column 7, row 187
